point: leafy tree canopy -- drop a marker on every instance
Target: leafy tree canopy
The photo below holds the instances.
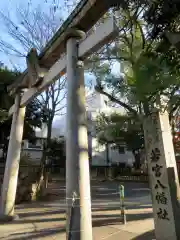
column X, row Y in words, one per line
column 33, row 117
column 145, row 73
column 56, row 152
column 119, row 129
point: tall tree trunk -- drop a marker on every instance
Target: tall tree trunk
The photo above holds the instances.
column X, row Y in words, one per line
column 43, row 178
column 146, row 110
column 47, row 165
column 137, row 159
column 107, row 154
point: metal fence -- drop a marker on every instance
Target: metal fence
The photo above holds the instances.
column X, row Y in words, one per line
column 116, row 172
column 124, row 174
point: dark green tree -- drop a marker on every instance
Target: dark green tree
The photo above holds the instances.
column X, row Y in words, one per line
column 144, row 73
column 56, row 153
column 33, row 118
column 121, row 129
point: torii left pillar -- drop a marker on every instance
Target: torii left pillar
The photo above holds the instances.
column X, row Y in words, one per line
column 9, row 187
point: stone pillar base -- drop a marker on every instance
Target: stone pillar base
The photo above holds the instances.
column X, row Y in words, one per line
column 6, row 218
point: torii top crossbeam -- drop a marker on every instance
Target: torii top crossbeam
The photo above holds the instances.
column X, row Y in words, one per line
column 84, row 16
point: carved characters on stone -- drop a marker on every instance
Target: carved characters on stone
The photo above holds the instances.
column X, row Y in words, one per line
column 159, row 184
column 155, row 126
column 161, row 198
column 162, row 214
column 155, row 155
column 160, row 189
column 157, row 170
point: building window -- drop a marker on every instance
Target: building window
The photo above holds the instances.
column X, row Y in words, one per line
column 35, row 145
column 121, row 149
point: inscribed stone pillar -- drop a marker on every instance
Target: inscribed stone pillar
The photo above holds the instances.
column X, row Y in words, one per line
column 163, row 175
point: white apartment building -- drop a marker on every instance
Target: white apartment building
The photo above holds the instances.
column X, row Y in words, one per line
column 100, row 155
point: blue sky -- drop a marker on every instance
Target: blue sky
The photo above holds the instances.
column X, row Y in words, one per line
column 10, row 7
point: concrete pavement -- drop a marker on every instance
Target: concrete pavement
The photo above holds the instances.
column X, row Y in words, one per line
column 46, row 220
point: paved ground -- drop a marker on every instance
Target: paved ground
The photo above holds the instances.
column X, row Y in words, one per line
column 46, row 220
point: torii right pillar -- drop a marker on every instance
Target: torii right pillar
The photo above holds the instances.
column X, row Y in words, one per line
column 78, row 196
column 163, row 176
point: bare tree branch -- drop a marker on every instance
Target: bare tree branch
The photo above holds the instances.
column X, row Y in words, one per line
column 114, row 99
column 60, row 109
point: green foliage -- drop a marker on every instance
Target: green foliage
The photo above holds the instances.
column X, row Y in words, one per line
column 162, row 15
column 145, row 73
column 120, row 129
column 152, row 77
column 56, row 152
column 34, row 115
column 33, row 118
column 26, row 160
column 3, row 115
column 6, row 77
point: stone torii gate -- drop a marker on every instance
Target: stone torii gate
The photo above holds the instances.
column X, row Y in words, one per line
column 65, row 52
column 38, row 76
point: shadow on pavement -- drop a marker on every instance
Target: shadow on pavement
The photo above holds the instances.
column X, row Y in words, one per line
column 138, row 216
column 114, row 208
column 139, row 206
column 98, row 219
column 47, row 212
column 145, row 236
column 106, row 222
column 113, row 219
column 23, row 221
column 37, row 234
column 32, row 205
